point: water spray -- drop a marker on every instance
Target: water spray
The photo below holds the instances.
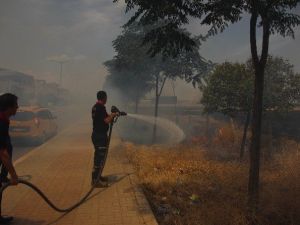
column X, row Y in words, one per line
column 176, row 133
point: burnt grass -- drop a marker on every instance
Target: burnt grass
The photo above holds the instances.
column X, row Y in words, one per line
column 197, row 185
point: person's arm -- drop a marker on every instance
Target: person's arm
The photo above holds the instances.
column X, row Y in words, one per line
column 110, row 118
column 6, row 160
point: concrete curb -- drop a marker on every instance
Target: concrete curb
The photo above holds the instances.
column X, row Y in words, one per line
column 143, row 204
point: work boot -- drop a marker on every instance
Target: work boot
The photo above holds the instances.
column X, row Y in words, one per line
column 99, row 184
column 6, row 219
column 104, row 178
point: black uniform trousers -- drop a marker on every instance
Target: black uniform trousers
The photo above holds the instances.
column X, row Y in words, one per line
column 4, row 171
column 100, row 141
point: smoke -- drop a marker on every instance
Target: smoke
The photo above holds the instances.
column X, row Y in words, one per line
column 37, row 34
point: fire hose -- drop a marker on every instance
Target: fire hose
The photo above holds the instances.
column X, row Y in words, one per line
column 85, row 197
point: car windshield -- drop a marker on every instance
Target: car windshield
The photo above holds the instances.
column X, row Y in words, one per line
column 23, row 116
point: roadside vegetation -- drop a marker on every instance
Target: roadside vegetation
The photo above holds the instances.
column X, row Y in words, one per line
column 205, row 183
column 212, row 181
column 168, row 37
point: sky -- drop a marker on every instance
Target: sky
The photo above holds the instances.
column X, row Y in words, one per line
column 36, row 33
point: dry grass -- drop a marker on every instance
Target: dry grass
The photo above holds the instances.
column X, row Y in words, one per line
column 184, row 186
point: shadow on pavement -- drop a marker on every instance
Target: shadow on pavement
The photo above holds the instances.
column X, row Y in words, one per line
column 113, row 180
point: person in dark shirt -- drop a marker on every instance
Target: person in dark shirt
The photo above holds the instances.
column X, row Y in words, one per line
column 101, row 121
column 8, row 108
column 4, row 171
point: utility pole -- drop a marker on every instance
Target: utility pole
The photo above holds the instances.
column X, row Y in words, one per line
column 61, row 61
column 60, row 73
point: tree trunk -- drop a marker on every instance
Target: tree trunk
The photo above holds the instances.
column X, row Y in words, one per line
column 253, row 188
column 175, row 105
column 158, row 92
column 155, row 110
column 155, row 116
column 242, row 150
column 259, row 67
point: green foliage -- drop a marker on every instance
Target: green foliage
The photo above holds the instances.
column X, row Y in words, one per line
column 168, row 37
column 132, row 85
column 134, row 72
column 281, row 86
column 128, row 70
column 230, row 87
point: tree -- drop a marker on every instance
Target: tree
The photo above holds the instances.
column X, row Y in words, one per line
column 272, row 16
column 133, row 65
column 282, row 85
column 281, row 88
column 130, row 69
column 132, row 85
column 229, row 90
column 187, row 65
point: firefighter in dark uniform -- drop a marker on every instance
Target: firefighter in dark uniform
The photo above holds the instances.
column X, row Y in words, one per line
column 101, row 121
column 8, row 108
column 4, row 171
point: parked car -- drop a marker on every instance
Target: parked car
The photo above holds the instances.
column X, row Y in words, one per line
column 33, row 125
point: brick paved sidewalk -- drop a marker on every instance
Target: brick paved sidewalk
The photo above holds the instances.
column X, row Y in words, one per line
column 62, row 168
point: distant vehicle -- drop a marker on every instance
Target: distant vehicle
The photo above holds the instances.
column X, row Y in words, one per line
column 33, row 125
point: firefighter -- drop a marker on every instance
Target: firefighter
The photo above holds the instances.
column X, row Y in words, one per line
column 8, row 108
column 4, row 172
column 101, row 121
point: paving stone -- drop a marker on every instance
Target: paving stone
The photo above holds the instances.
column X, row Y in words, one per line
column 62, row 169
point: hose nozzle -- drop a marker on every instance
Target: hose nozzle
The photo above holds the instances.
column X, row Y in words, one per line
column 114, row 109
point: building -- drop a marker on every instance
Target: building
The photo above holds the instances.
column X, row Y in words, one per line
column 20, row 84
column 32, row 91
